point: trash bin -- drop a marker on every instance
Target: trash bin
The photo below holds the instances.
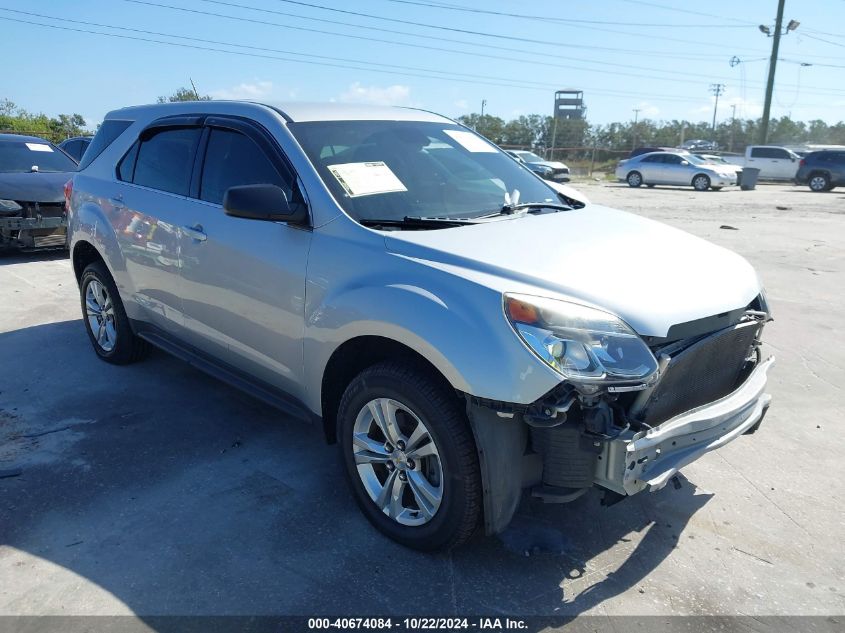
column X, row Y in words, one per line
column 749, row 178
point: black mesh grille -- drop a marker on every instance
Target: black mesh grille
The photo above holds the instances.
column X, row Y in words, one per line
column 706, row 371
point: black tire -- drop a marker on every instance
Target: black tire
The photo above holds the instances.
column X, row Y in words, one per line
column 634, row 179
column 819, row 182
column 126, row 348
column 701, row 182
column 437, row 407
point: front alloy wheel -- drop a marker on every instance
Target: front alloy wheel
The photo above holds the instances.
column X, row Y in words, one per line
column 634, row 179
column 398, row 462
column 410, row 455
column 701, row 183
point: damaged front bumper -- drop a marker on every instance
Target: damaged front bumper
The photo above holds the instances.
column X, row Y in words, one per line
column 648, row 459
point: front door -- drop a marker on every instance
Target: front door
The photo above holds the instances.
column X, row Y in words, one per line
column 243, row 281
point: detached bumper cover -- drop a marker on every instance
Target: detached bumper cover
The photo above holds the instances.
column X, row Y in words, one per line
column 649, row 459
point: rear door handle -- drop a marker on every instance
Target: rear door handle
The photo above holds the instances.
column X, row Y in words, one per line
column 195, row 232
column 117, row 202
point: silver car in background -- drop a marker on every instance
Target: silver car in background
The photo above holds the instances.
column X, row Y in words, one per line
column 670, row 168
column 464, row 330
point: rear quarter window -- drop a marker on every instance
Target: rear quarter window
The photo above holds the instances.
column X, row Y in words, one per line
column 104, row 137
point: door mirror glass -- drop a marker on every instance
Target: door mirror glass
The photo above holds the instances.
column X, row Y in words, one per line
column 263, row 202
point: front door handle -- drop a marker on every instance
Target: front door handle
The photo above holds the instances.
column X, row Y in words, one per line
column 195, row 232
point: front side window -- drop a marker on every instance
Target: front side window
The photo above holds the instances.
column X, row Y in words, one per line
column 233, row 159
column 390, row 170
column 36, row 155
column 165, row 160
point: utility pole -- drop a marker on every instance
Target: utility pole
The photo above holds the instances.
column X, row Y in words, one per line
column 716, row 89
column 733, row 127
column 483, row 104
column 770, row 84
column 634, row 140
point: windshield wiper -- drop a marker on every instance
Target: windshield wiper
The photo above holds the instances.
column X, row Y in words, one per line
column 417, row 222
column 528, row 207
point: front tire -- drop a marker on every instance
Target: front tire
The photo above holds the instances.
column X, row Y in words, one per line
column 105, row 318
column 701, row 182
column 635, row 179
column 819, row 182
column 410, row 456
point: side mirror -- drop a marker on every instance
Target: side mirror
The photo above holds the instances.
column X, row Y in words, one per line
column 684, row 162
column 263, row 202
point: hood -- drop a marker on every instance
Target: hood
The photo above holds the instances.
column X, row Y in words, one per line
column 554, row 164
column 651, row 275
column 34, row 186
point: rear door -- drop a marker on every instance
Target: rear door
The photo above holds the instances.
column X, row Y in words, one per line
column 650, row 168
column 244, row 280
column 147, row 213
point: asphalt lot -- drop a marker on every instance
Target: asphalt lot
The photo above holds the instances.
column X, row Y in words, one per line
column 152, row 489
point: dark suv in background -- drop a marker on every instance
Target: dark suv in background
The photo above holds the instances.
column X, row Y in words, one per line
column 823, row 170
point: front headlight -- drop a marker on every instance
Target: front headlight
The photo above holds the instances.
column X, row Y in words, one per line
column 580, row 343
column 9, row 205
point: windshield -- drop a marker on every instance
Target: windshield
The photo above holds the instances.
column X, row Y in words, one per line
column 390, row 170
column 22, row 156
column 695, row 160
column 531, row 157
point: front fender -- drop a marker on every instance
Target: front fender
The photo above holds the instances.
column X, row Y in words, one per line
column 456, row 324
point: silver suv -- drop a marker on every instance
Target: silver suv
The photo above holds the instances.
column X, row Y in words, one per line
column 464, row 330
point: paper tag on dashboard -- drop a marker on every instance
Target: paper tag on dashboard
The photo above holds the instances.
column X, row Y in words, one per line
column 39, row 147
column 471, row 142
column 366, row 179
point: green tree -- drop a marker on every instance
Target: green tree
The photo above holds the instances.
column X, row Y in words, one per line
column 183, row 94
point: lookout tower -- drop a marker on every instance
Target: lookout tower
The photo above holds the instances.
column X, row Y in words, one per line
column 569, row 104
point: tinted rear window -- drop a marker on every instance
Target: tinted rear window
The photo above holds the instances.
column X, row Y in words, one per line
column 104, row 137
column 165, row 160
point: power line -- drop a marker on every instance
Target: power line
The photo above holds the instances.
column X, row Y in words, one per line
column 820, row 39
column 625, row 72
column 538, row 86
column 689, row 12
column 479, row 33
column 546, row 18
column 542, row 63
column 396, row 32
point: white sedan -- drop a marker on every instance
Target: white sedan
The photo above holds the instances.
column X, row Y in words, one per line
column 669, row 168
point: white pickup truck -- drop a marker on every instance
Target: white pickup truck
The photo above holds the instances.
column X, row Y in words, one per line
column 774, row 163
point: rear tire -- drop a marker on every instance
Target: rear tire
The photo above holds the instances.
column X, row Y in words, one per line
column 105, row 319
column 410, row 457
column 635, row 179
column 819, row 182
column 701, row 182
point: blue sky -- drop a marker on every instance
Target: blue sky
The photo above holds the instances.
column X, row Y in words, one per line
column 657, row 56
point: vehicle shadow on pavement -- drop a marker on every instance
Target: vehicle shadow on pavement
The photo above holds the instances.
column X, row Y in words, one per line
column 155, row 490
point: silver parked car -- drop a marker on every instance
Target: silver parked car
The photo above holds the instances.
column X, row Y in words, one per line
column 669, row 168
column 461, row 329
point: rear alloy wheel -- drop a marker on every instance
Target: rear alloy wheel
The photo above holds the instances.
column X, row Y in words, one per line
column 105, row 319
column 701, row 182
column 634, row 179
column 410, row 456
column 819, row 182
